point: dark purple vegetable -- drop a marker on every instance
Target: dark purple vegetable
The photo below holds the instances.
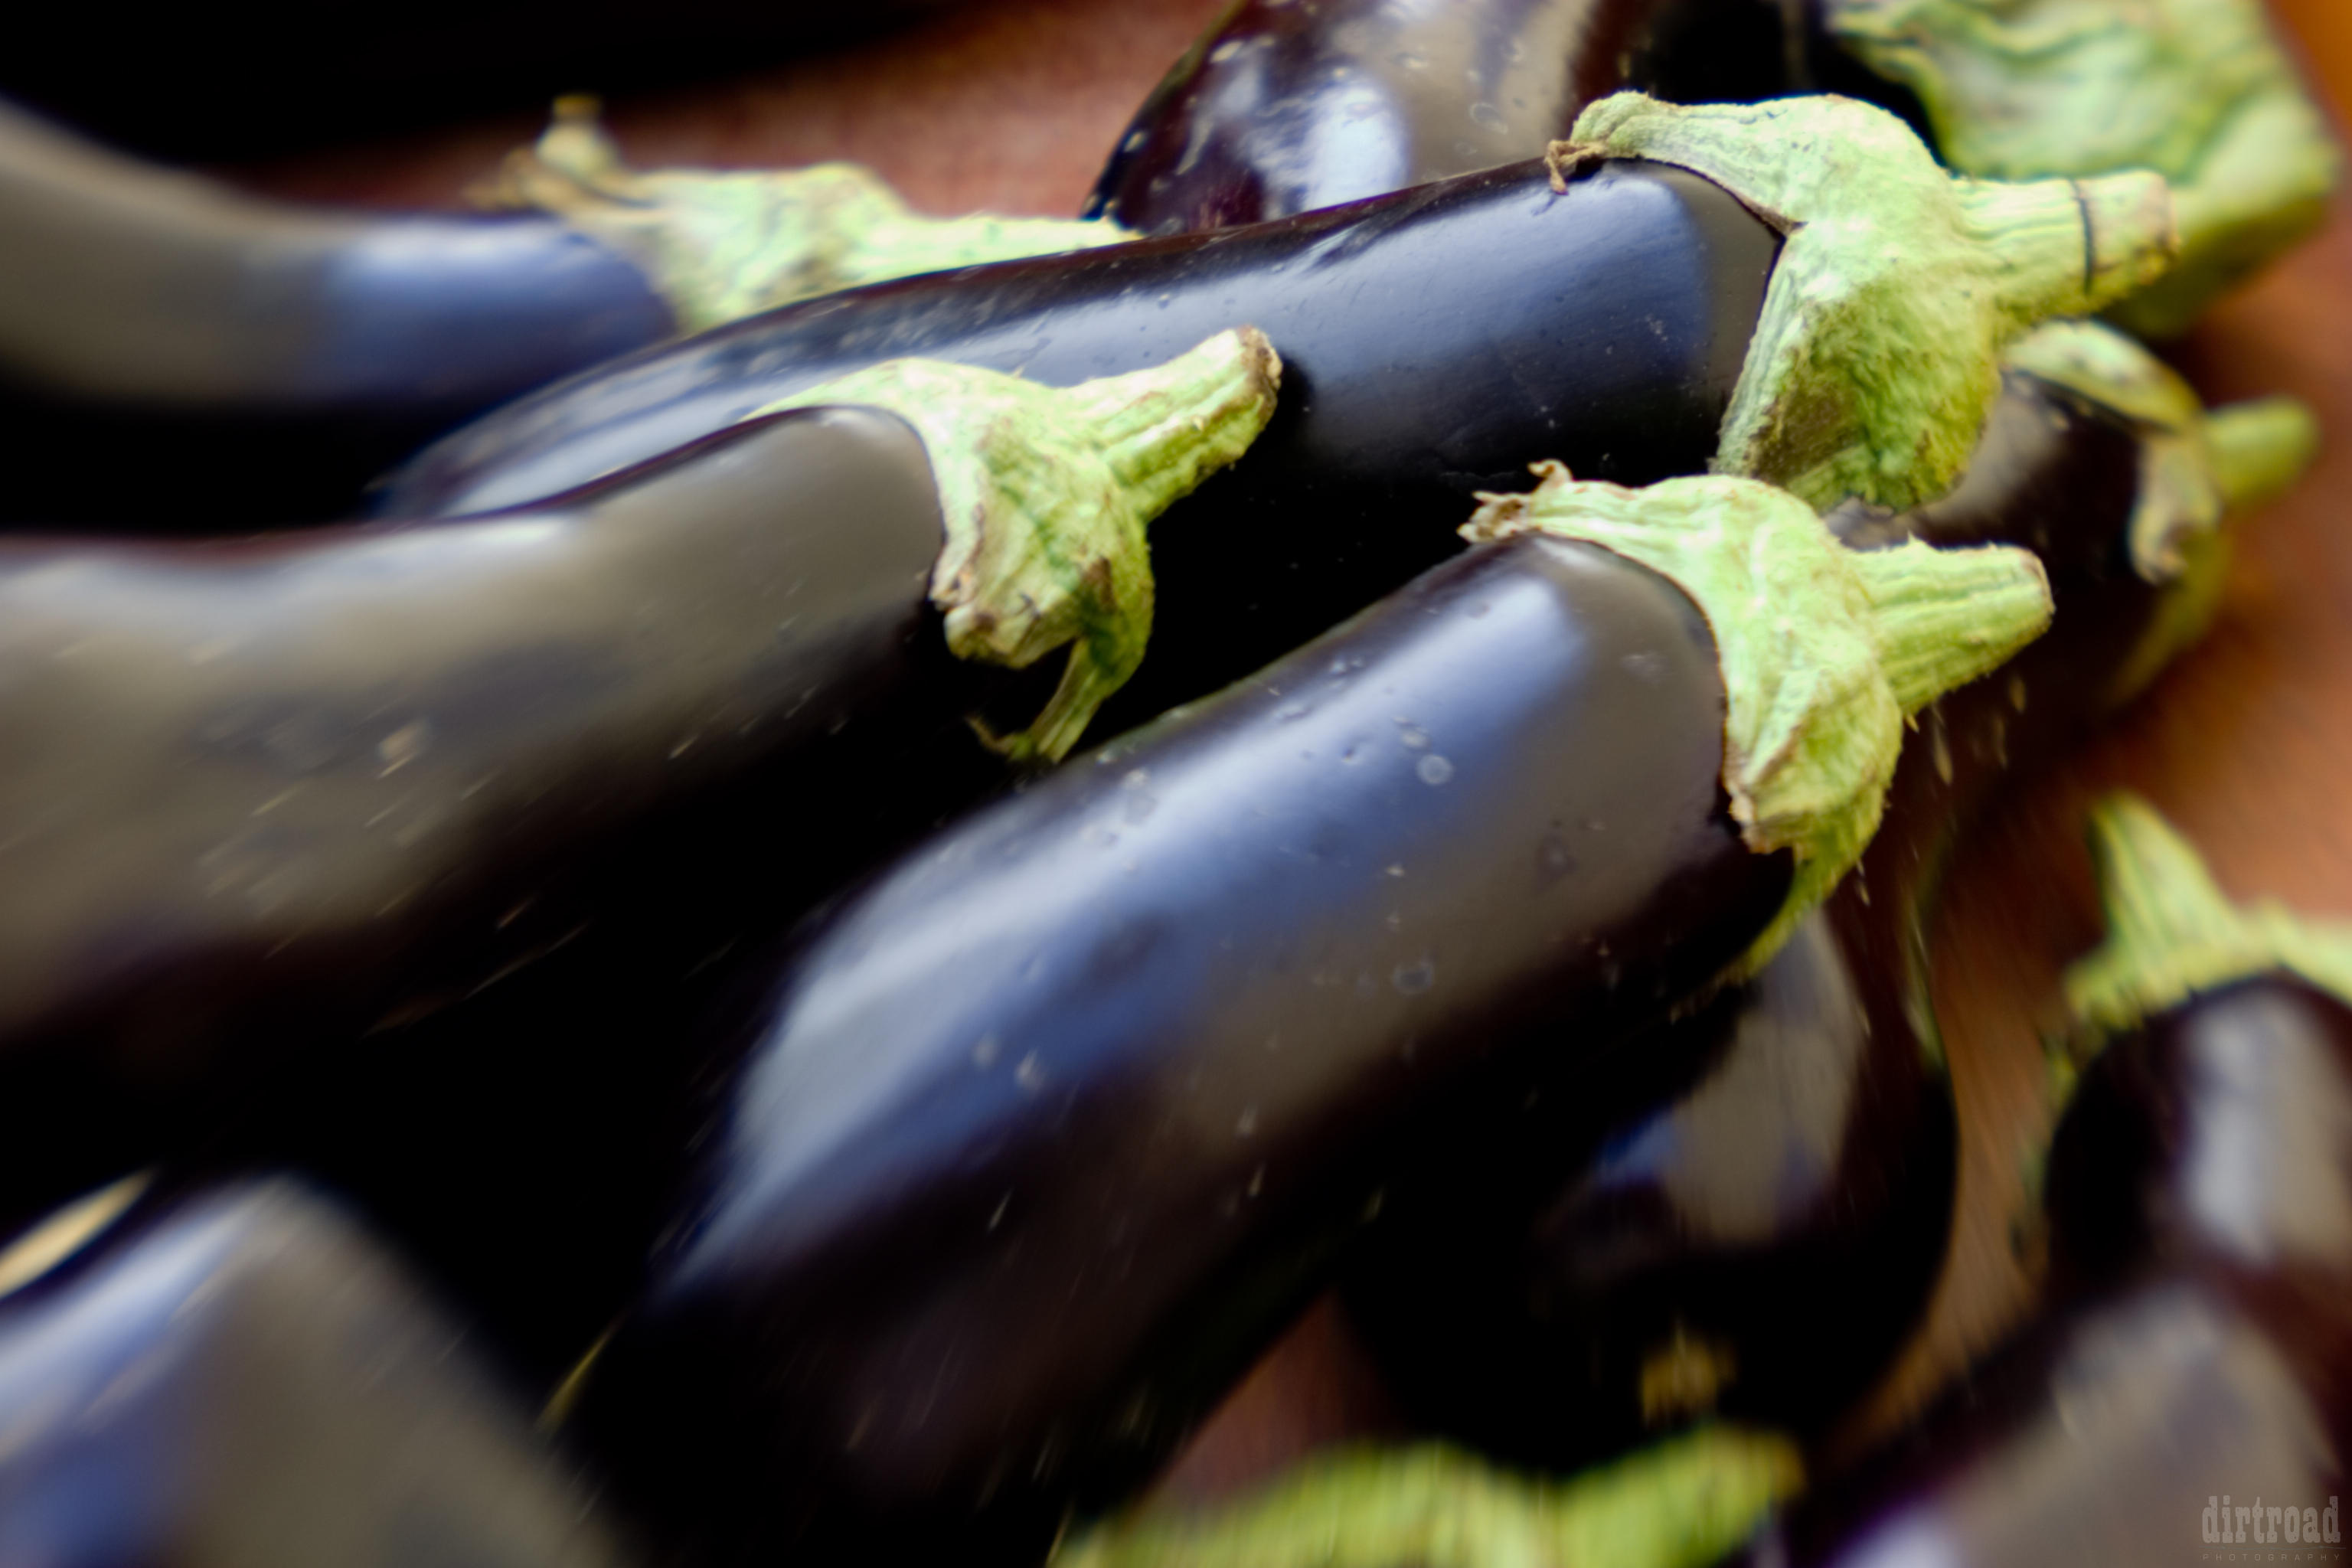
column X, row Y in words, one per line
column 261, row 800
column 1606, row 326
column 262, row 794
column 216, row 362
column 1759, row 1233
column 1285, row 106
column 1135, row 1049
column 2191, row 1374
column 242, row 1378
column 1050, row 1129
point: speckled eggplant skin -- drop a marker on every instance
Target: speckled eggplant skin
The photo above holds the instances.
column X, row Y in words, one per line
column 1285, row 106
column 173, row 350
column 1778, row 1196
column 245, row 1379
column 1055, row 1126
column 261, row 797
column 2197, row 1344
column 1433, row 343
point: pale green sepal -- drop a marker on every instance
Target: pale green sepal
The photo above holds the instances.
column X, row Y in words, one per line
column 1825, row 651
column 2198, row 90
column 2194, row 467
column 2260, row 447
column 1678, row 1505
column 721, row 245
column 2172, row 932
column 1875, row 359
column 1044, row 493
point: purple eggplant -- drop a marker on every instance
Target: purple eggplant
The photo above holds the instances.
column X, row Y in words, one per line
column 1053, row 1126
column 2186, row 1391
column 243, row 1378
column 1285, row 106
column 264, row 795
column 1757, row 1240
column 1608, row 325
column 262, row 361
column 1630, row 320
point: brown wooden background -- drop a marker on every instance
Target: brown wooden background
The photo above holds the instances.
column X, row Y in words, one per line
column 1011, row 104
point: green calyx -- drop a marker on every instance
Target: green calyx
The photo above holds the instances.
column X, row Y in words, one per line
column 2172, row 932
column 1825, row 652
column 1682, row 1502
column 2196, row 469
column 1875, row 359
column 719, row 244
column 1044, row 493
column 2198, row 90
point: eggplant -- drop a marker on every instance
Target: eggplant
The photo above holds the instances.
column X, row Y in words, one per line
column 1630, row 321
column 243, row 1378
column 1608, row 324
column 263, row 361
column 2187, row 1382
column 1757, row 1232
column 261, row 796
column 1051, row 1128
column 1285, row 106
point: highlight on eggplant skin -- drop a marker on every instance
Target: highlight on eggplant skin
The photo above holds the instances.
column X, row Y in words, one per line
column 1180, row 1004
column 263, row 361
column 1608, row 326
column 1286, row 106
column 242, row 1375
column 2190, row 1375
column 1622, row 1260
column 269, row 793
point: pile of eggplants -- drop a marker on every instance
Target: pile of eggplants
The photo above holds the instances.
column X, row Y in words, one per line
column 576, row 869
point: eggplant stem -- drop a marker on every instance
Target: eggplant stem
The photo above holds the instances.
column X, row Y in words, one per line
column 1825, row 651
column 1044, row 493
column 1682, row 1502
column 719, row 245
column 2198, row 90
column 1875, row 361
column 2173, row 933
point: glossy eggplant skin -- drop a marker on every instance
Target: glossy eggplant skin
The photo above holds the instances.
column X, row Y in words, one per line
column 244, row 1379
column 171, row 349
column 262, row 796
column 1433, row 343
column 2198, row 1346
column 1285, row 106
column 1055, row 1126
column 1757, row 1231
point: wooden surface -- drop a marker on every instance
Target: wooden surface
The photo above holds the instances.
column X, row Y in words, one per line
column 1011, row 104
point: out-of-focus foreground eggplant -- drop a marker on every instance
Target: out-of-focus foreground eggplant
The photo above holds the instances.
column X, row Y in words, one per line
column 2188, row 1384
column 1050, row 1129
column 240, row 1377
column 1630, row 320
column 1760, row 1240
column 1286, row 106
column 263, row 797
